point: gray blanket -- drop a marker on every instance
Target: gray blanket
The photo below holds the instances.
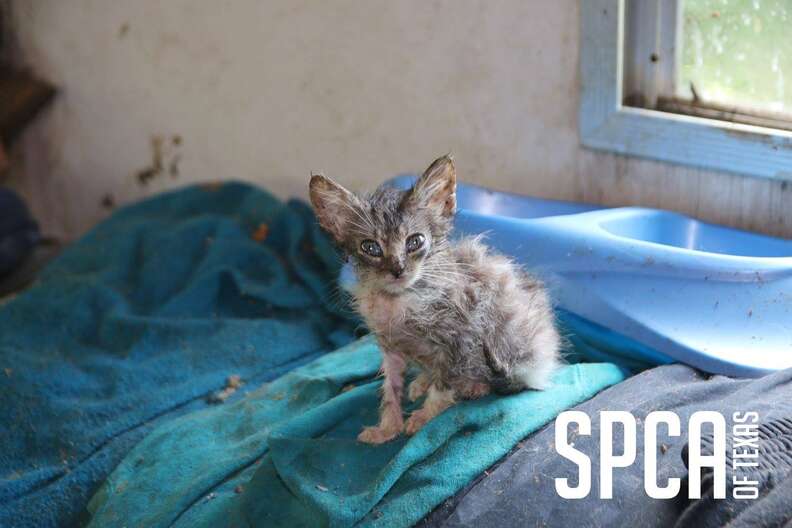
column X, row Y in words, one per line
column 520, row 490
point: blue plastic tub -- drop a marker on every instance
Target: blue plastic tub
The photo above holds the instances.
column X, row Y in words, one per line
column 716, row 298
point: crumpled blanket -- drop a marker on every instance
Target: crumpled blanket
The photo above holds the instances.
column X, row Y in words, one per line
column 287, row 455
column 140, row 321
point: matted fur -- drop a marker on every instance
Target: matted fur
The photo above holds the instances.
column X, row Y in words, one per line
column 472, row 319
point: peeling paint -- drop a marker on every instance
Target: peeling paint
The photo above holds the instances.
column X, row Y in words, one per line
column 163, row 153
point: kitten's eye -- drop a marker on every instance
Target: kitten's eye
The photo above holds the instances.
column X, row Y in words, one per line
column 371, row 248
column 414, row 242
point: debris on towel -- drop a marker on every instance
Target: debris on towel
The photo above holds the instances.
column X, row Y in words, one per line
column 348, row 388
column 232, row 384
column 321, row 488
column 210, row 496
column 239, row 489
column 261, row 233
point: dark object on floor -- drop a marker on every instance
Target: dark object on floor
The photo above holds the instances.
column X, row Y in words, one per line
column 138, row 321
column 22, row 96
column 233, row 383
column 18, row 231
column 27, row 270
column 520, row 490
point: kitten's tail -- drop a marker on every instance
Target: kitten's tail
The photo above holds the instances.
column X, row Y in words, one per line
column 500, row 381
column 536, row 374
column 531, row 373
column 528, row 375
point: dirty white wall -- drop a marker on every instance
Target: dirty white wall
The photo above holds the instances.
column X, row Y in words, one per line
column 195, row 90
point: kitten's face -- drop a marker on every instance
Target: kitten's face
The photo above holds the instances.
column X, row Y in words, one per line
column 390, row 242
column 391, row 234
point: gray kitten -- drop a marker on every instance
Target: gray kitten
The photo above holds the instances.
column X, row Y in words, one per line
column 472, row 320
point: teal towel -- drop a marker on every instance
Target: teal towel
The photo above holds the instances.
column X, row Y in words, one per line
column 286, row 454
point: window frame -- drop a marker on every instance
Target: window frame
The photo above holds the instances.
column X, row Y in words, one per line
column 605, row 123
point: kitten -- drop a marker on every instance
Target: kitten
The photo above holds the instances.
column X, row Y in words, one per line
column 472, row 320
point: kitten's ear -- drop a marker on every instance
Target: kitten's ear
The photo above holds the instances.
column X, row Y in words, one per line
column 436, row 188
column 334, row 206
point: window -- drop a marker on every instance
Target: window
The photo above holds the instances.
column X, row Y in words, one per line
column 699, row 82
column 738, row 54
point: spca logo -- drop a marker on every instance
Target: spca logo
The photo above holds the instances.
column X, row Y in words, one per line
column 744, row 451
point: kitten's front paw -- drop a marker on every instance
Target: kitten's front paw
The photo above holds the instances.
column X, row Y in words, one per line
column 416, row 420
column 377, row 435
column 417, row 387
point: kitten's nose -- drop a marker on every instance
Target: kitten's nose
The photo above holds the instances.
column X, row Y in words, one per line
column 397, row 268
